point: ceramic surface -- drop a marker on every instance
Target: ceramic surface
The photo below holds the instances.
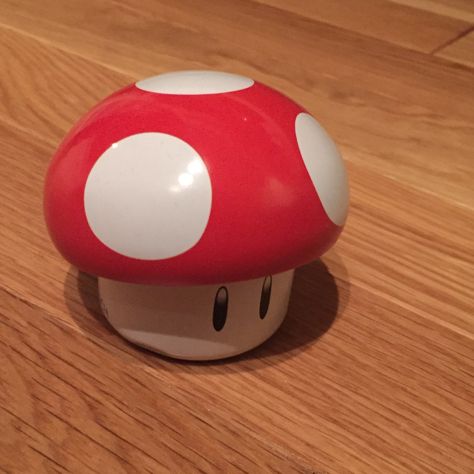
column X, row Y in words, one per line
column 193, row 178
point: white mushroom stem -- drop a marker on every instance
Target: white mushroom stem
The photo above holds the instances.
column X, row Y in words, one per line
column 198, row 322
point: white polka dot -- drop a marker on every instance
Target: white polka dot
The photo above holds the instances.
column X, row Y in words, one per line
column 325, row 167
column 195, row 83
column 148, row 196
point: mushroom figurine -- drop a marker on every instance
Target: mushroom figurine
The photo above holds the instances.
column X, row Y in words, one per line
column 193, row 196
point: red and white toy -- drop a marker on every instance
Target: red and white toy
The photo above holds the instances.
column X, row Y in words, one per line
column 193, row 196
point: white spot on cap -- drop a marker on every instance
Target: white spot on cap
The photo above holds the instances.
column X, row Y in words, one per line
column 325, row 167
column 195, row 83
column 148, row 196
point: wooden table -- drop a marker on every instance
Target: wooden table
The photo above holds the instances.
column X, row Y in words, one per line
column 373, row 369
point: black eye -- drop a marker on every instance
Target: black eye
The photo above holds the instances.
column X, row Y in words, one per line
column 265, row 296
column 220, row 308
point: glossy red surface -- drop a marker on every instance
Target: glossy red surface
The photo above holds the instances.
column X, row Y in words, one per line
column 266, row 216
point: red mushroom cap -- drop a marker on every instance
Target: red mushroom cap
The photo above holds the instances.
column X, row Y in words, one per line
column 259, row 186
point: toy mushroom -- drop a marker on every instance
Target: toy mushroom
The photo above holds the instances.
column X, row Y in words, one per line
column 193, row 196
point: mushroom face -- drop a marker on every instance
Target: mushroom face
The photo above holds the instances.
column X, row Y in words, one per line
column 198, row 322
column 194, row 178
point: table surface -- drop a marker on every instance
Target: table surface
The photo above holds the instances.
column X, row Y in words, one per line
column 373, row 369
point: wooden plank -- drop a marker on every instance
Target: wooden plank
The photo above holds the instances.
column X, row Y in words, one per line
column 461, row 51
column 380, row 272
column 372, row 400
column 435, row 260
column 460, row 9
column 398, row 24
column 49, row 104
column 392, row 105
column 372, row 370
column 70, row 403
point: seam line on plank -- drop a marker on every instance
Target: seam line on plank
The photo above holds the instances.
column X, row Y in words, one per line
column 451, row 41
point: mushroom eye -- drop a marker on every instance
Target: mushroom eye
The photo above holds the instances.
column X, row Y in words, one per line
column 221, row 302
column 265, row 296
column 148, row 196
column 325, row 167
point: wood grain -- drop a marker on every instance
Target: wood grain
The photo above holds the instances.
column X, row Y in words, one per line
column 460, row 9
column 65, row 399
column 396, row 23
column 372, row 370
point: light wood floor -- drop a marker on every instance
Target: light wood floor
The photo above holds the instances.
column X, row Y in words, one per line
column 373, row 369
